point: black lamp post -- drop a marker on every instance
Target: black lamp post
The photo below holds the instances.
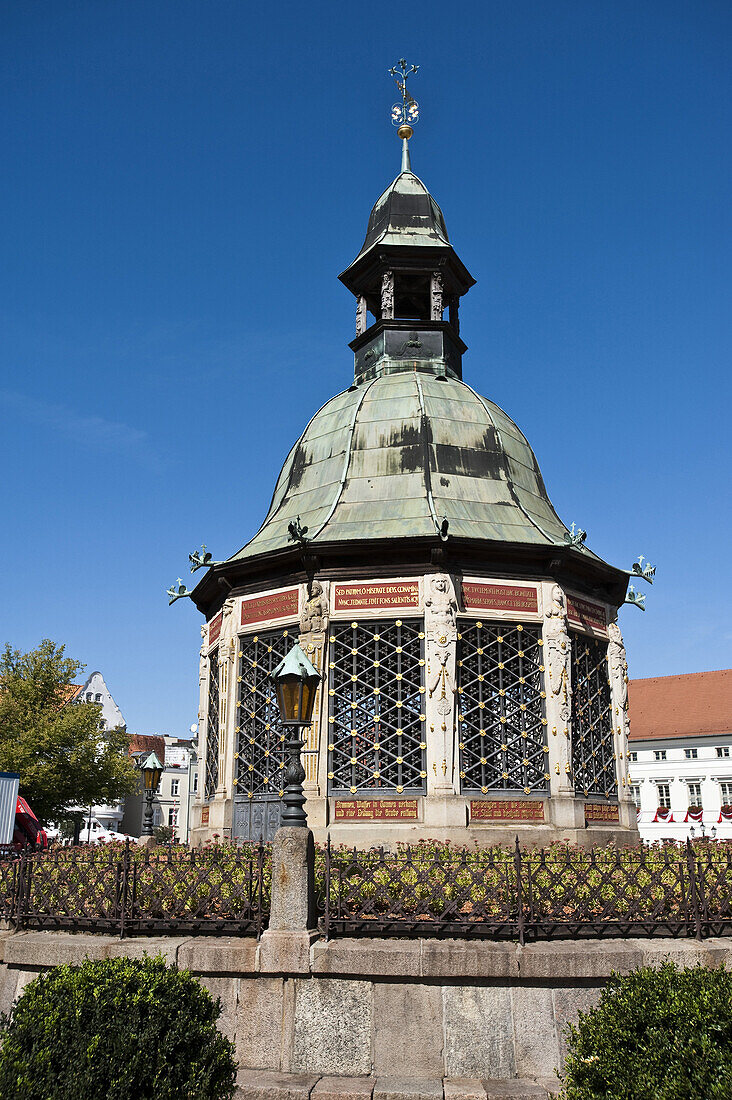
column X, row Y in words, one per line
column 296, row 682
column 151, row 769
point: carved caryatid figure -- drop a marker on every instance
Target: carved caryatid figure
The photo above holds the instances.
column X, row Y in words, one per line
column 361, row 319
column 618, row 665
column 436, row 296
column 387, row 295
column 556, row 640
column 315, row 612
column 440, row 610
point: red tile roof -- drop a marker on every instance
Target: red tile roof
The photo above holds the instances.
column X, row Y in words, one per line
column 148, row 742
column 681, row 706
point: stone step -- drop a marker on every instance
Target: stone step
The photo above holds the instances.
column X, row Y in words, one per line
column 255, row 1084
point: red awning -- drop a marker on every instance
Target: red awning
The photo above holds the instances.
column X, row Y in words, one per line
column 22, row 807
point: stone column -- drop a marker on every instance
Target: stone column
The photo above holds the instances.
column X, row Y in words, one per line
column 565, row 810
column 618, row 674
column 361, row 316
column 285, row 946
column 443, row 808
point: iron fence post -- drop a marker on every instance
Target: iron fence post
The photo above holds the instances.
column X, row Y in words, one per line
column 124, row 892
column 326, row 905
column 693, row 888
column 519, row 894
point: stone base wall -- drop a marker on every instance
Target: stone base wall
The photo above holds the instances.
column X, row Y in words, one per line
column 408, row 1008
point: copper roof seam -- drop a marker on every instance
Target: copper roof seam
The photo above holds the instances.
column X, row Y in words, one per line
column 347, row 463
column 511, row 486
column 427, row 471
column 293, row 448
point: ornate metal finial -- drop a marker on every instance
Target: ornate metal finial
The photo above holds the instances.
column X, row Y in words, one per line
column 638, row 599
column 575, row 538
column 202, row 559
column 178, row 592
column 297, row 532
column 405, row 114
column 647, row 571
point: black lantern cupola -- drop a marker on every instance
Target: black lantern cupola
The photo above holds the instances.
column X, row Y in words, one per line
column 408, row 281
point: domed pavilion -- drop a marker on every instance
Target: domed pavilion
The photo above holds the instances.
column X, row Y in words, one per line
column 473, row 675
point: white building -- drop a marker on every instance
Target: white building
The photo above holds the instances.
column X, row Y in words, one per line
column 680, row 755
column 95, row 690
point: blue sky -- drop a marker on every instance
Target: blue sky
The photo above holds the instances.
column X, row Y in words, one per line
column 184, row 179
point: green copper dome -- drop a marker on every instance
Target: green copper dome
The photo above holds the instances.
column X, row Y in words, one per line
column 394, row 457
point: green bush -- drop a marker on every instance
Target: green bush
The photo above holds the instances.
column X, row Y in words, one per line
column 117, row 1029
column 656, row 1034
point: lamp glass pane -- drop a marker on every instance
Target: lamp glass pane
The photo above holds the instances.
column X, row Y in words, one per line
column 289, row 697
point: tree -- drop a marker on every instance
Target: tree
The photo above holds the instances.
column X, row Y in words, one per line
column 63, row 757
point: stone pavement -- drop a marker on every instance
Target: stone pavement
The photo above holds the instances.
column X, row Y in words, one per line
column 263, row 1085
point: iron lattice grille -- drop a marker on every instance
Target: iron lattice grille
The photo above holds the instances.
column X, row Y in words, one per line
column 593, row 749
column 260, row 756
column 376, row 720
column 501, row 715
column 212, row 727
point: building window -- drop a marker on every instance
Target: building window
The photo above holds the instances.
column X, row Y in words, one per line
column 376, row 720
column 691, row 754
column 157, row 816
column 173, row 816
column 659, row 754
column 664, row 795
column 98, row 698
column 723, row 750
column 695, row 797
column 212, row 727
column 633, row 757
column 635, row 794
column 726, row 789
column 260, row 742
column 195, row 782
column 593, row 750
column 174, row 785
column 501, row 719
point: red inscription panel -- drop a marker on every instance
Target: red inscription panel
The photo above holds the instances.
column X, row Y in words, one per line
column 599, row 811
column 586, row 613
column 506, row 809
column 280, row 605
column 214, row 628
column 375, row 809
column 204, row 815
column 362, row 597
column 499, row 597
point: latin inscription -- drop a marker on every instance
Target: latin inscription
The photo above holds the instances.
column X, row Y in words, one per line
column 362, row 597
column 586, row 613
column 499, row 597
column 598, row 811
column 214, row 628
column 375, row 809
column 506, row 809
column 280, row 605
column 204, row 815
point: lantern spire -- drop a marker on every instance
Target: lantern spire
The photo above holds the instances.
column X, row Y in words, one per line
column 404, row 115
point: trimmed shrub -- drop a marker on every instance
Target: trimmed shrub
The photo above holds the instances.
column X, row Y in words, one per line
column 656, row 1034
column 116, row 1029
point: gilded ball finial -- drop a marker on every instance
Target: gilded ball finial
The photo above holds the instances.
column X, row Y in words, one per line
column 405, row 131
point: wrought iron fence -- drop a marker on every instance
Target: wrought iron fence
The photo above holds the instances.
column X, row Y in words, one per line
column 124, row 889
column 528, row 894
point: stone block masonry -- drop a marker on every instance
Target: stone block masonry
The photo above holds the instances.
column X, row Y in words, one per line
column 393, row 1018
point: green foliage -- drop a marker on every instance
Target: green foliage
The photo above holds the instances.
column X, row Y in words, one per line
column 658, row 1034
column 115, row 1029
column 62, row 756
column 164, row 833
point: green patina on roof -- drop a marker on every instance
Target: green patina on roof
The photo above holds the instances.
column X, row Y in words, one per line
column 390, row 458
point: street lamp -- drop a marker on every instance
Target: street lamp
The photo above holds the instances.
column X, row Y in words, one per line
column 296, row 682
column 151, row 769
